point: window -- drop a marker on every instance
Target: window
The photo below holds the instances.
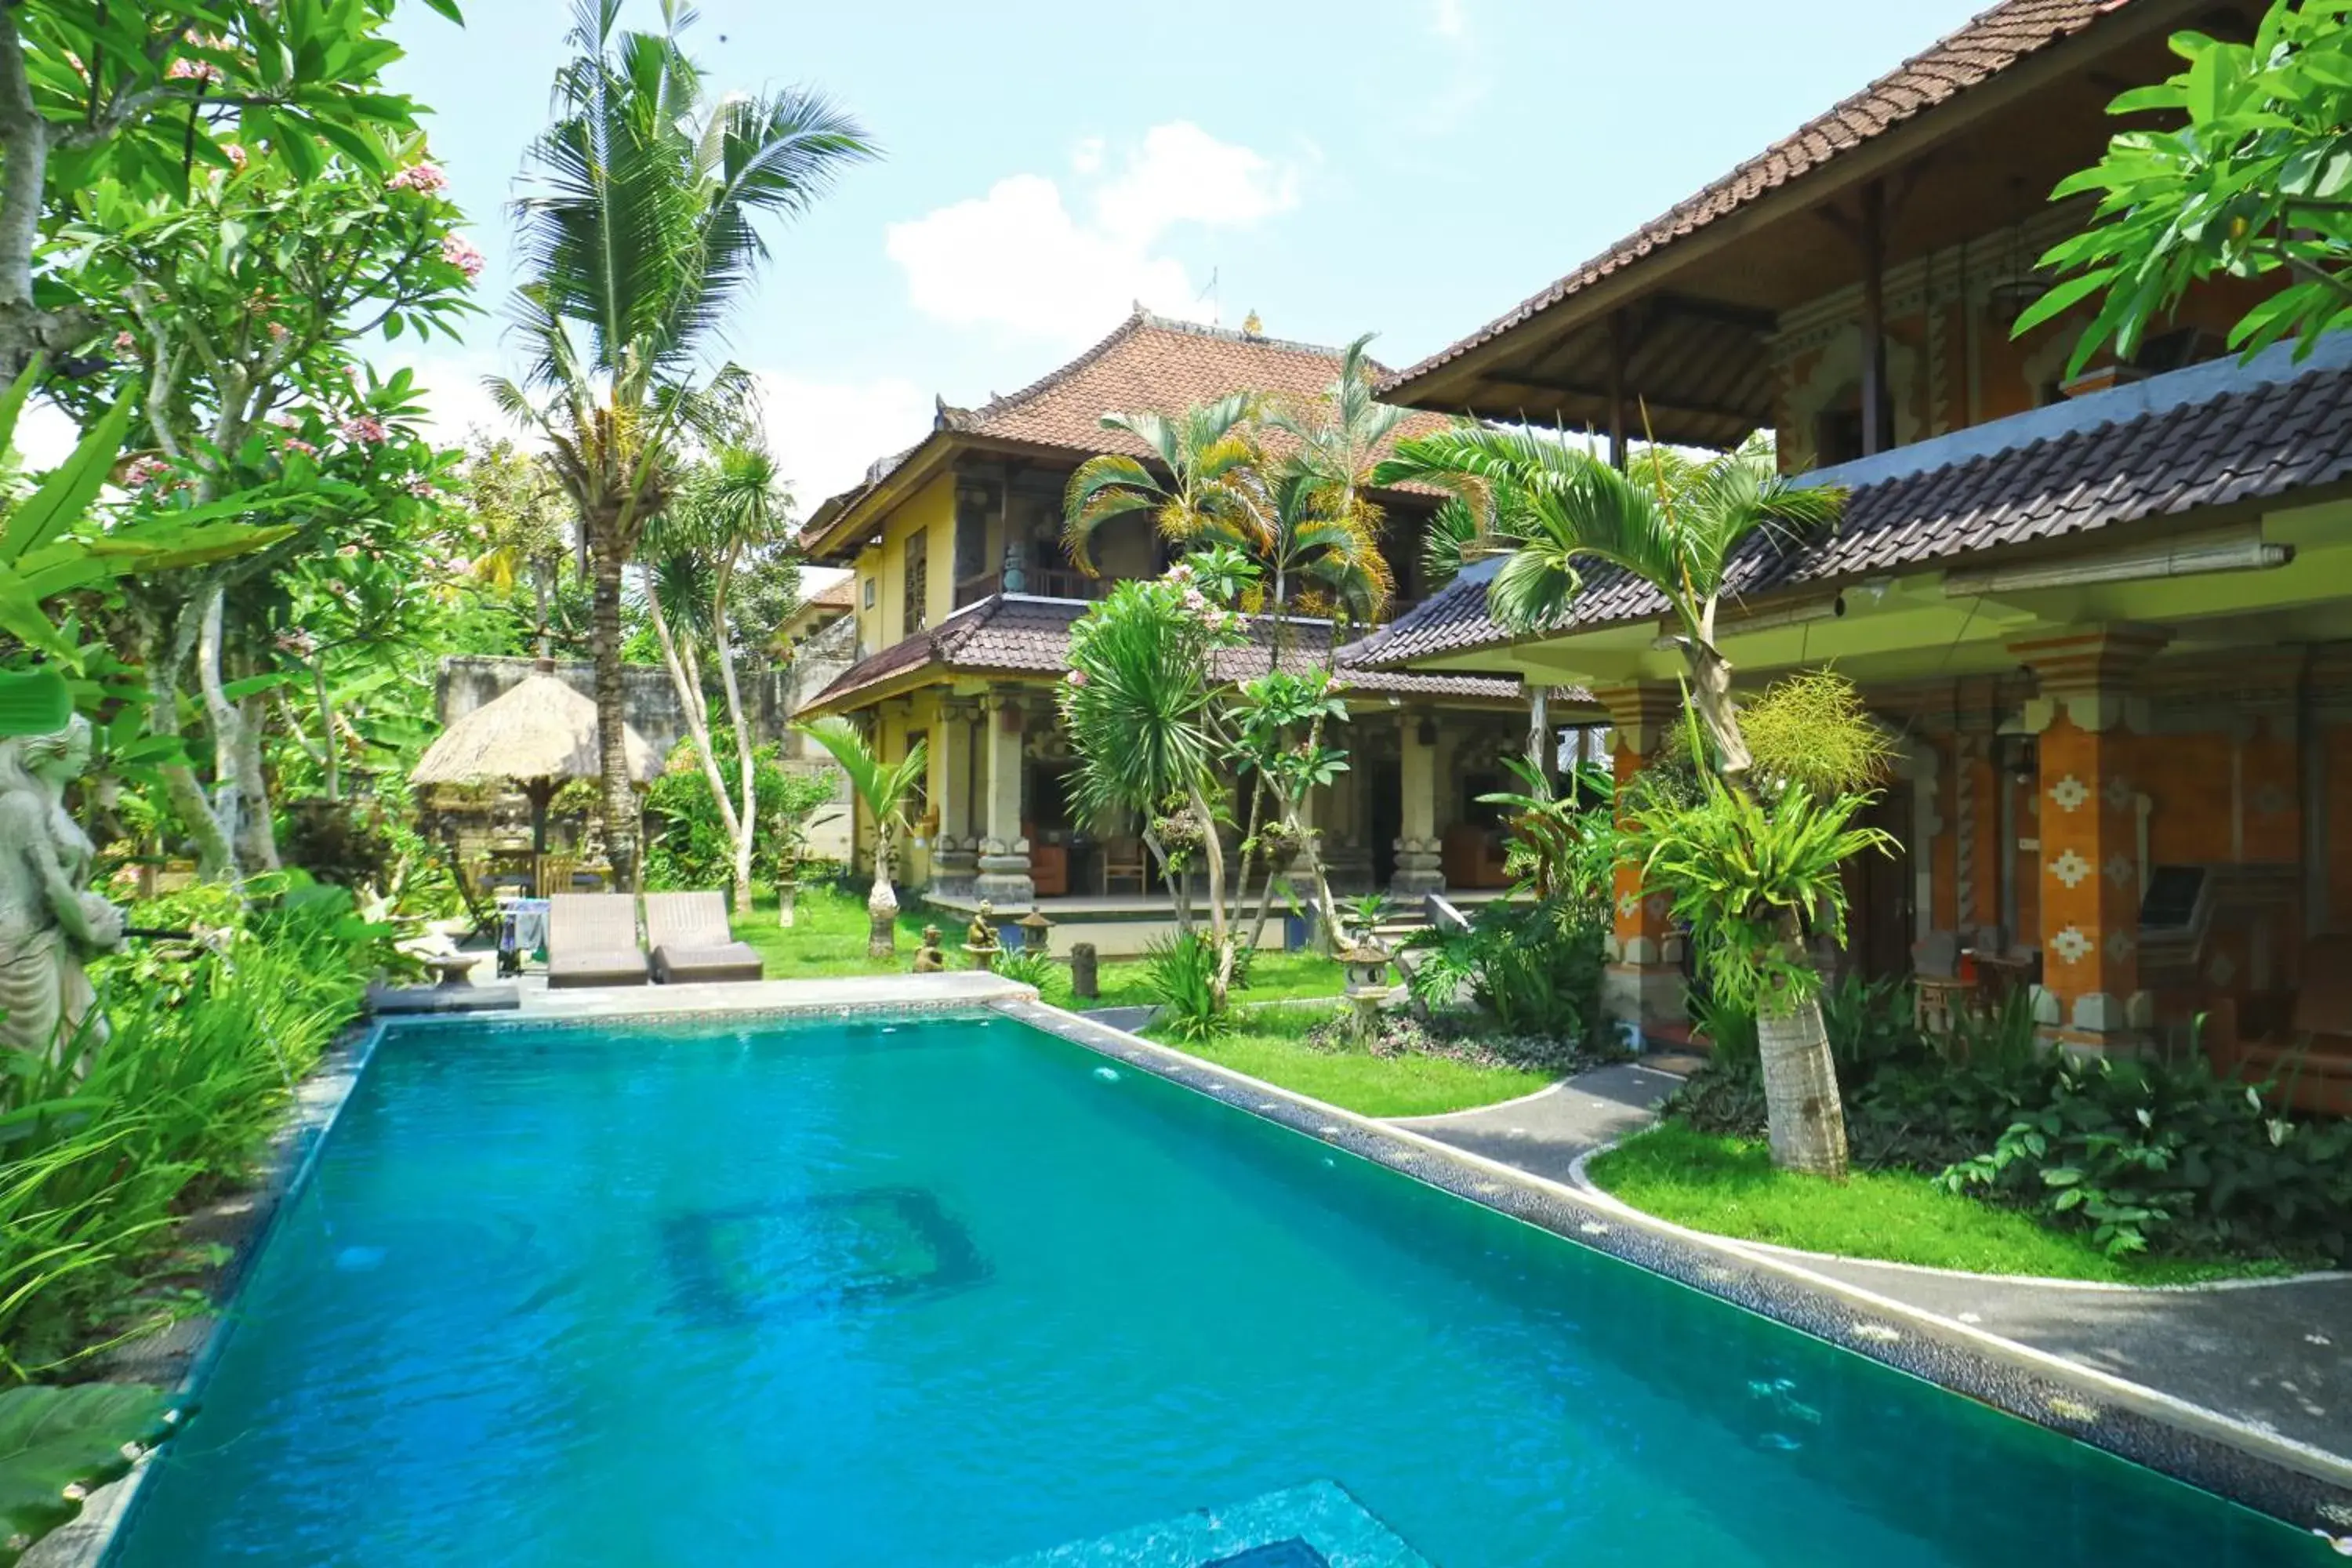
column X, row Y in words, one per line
column 976, row 504
column 919, row 798
column 915, row 613
column 869, row 593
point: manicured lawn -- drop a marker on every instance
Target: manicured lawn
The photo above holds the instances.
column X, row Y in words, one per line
column 1728, row 1187
column 1272, row 1046
column 1274, row 977
column 827, row 937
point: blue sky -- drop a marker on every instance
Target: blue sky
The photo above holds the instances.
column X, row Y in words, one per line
column 1409, row 167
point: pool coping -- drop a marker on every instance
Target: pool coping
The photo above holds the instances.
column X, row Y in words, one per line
column 195, row 1342
column 2305, row 1486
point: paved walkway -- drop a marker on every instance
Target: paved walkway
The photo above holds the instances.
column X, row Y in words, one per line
column 2276, row 1356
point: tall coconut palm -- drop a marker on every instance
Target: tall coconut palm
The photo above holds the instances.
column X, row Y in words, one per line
column 884, row 787
column 640, row 232
column 1674, row 523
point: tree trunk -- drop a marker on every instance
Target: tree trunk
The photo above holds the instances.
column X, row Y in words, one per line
column 882, row 904
column 697, row 726
column 328, row 759
column 1711, row 694
column 256, row 831
column 1801, row 1092
column 613, row 751
column 1212, row 851
column 214, row 859
column 747, row 811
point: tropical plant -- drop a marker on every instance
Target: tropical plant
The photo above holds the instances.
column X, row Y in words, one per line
column 687, row 844
column 2252, row 179
column 1141, row 711
column 1185, row 976
column 1673, row 523
column 885, row 787
column 60, row 1445
column 1037, row 970
column 640, row 231
column 1331, row 535
column 1559, row 846
column 511, row 526
column 1210, row 456
column 139, row 96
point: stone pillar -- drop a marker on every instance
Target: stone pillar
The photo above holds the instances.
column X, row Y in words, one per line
column 2089, row 999
column 1419, row 867
column 1004, row 877
column 955, row 853
column 1643, row 984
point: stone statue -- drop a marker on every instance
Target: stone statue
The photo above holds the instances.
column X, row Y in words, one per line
column 979, row 942
column 48, row 921
column 929, row 959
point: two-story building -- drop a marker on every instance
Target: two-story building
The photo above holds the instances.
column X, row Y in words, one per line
column 2110, row 617
column 963, row 598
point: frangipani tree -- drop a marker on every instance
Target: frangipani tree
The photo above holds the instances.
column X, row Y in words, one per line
column 884, row 788
column 1674, row 523
column 640, row 232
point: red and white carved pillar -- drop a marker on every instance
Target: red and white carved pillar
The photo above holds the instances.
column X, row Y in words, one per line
column 2087, row 828
column 1643, row 984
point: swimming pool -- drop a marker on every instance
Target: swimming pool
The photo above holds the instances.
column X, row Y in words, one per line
column 957, row 1291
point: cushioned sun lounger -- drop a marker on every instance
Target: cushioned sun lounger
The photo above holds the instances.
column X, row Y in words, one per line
column 688, row 934
column 592, row 939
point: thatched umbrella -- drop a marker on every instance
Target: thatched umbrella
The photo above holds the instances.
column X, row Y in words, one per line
column 539, row 733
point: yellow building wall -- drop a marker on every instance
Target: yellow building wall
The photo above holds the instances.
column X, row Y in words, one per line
column 930, row 511
column 896, row 721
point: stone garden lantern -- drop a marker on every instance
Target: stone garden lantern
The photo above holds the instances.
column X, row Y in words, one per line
column 1033, row 927
column 1367, row 966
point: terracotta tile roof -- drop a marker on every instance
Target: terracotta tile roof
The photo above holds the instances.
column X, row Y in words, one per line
column 1986, row 46
column 1150, row 363
column 841, row 595
column 2262, row 440
column 1014, row 635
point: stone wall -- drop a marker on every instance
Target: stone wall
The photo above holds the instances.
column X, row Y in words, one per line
column 650, row 701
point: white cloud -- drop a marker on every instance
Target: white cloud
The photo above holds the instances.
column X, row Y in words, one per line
column 1466, row 77
column 1021, row 257
column 456, row 401
column 825, row 433
column 1448, row 18
column 46, row 433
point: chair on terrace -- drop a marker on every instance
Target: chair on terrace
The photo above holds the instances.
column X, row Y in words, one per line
column 691, row 940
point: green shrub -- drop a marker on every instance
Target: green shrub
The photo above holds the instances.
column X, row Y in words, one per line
column 1036, row 969
column 1179, row 976
column 207, row 1043
column 1536, row 968
column 686, row 844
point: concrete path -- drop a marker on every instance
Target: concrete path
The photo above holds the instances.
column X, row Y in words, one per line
column 2276, row 1356
column 1547, row 1132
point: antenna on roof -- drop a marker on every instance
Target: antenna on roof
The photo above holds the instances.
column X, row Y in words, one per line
column 1216, row 306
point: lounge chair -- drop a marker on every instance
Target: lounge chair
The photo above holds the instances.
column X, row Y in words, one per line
column 691, row 942
column 592, row 939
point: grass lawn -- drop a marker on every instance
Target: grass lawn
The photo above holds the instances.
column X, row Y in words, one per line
column 1274, row 977
column 1272, row 1046
column 827, row 937
column 1728, row 1187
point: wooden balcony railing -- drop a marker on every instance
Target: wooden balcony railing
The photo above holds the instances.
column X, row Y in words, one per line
column 1036, row 582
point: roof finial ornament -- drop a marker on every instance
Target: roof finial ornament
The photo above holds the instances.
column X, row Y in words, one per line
column 939, row 412
column 1252, row 327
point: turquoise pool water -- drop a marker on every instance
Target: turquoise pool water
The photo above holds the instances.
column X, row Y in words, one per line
column 958, row 1292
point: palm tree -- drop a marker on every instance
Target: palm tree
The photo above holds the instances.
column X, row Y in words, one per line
column 640, row 233
column 1673, row 522
column 1213, row 463
column 884, row 787
column 1340, row 436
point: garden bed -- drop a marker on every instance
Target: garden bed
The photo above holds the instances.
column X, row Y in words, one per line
column 1726, row 1186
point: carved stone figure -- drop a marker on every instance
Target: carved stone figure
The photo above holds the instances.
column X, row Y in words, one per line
column 929, row 959
column 49, row 920
column 980, row 942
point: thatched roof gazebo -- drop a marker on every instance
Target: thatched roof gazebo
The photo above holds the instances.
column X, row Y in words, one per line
column 539, row 733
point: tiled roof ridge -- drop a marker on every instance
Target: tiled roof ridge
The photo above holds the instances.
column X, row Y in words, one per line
column 958, row 418
column 1890, row 98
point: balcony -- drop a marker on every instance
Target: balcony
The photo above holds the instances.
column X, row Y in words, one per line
column 1037, row 583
